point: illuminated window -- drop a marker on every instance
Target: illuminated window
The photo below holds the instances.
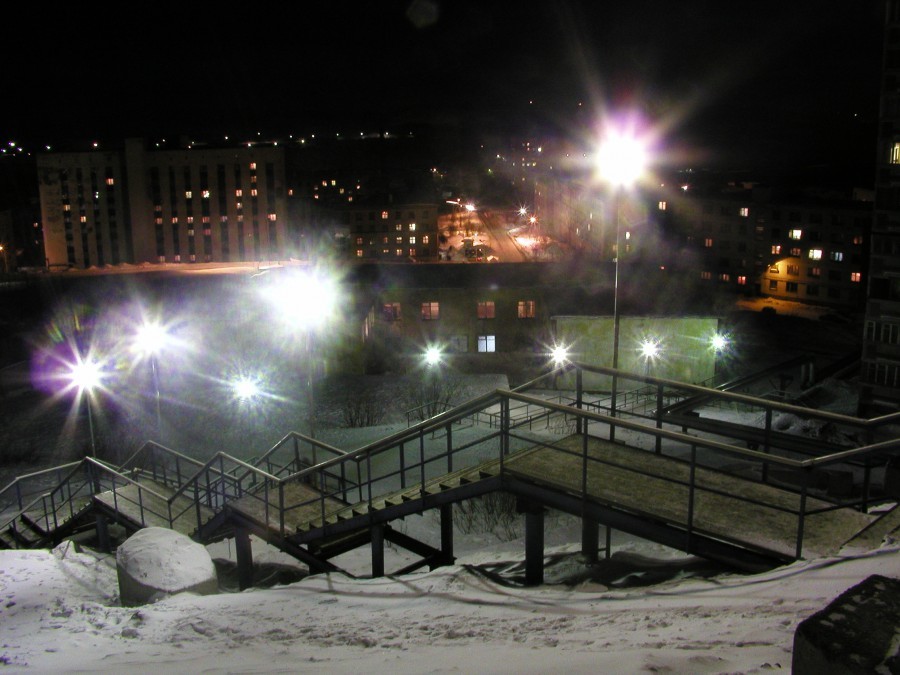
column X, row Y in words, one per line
column 272, row 217
column 253, row 192
column 793, row 270
column 708, row 242
column 412, row 252
column 398, row 252
column 110, row 181
column 486, row 343
column 815, row 254
column 486, row 309
column 776, row 249
column 398, row 227
column 412, row 227
column 188, row 194
column 390, row 311
column 795, row 234
column 526, row 309
column 425, row 239
column 206, row 194
column 724, row 277
column 359, row 241
column 837, row 256
column 174, row 220
column 159, row 221
column 238, row 193
column 706, row 275
column 662, row 206
column 856, row 276
column 384, row 215
column 399, row 240
column 190, row 219
column 67, row 207
column 796, row 252
column 253, row 166
column 412, row 240
column 895, row 154
column 744, row 211
column 83, row 219
column 858, row 239
column 742, row 281
column 431, row 311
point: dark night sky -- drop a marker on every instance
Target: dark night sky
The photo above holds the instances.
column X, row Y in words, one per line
column 756, row 81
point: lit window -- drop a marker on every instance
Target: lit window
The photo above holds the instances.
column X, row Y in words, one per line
column 662, row 206
column 399, row 240
column 390, row 311
column 742, row 281
column 706, row 275
column 486, row 309
column 110, row 181
column 253, row 166
column 856, row 276
column 206, row 194
column 793, row 270
column 744, row 211
column 398, row 252
column 188, row 194
column 425, row 239
column 412, row 240
column 174, row 220
column 815, row 254
column 398, row 227
column 272, row 217
column 384, row 215
column 238, row 193
column 431, row 311
column 190, row 219
column 333, row 182
column 837, row 256
column 253, row 192
column 67, row 207
column 796, row 252
column 776, row 249
column 724, row 277
column 412, row 227
column 486, row 343
column 795, row 234
column 858, row 239
column 412, row 252
column 708, row 242
column 159, row 221
column 895, row 154
column 526, row 309
column 83, row 219
column 359, row 241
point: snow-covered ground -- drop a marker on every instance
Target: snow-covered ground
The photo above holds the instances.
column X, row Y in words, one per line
column 60, row 613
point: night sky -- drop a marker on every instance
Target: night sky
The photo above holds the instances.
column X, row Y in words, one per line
column 755, row 82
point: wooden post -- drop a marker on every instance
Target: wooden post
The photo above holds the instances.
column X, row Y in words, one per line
column 378, row 550
column 534, row 545
column 590, row 539
column 447, row 534
column 244, row 553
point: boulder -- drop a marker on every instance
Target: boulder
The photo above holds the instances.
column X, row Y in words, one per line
column 859, row 632
column 155, row 563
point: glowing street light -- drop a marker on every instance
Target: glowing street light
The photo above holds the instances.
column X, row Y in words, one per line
column 433, row 356
column 718, row 343
column 559, row 355
column 245, row 388
column 650, row 350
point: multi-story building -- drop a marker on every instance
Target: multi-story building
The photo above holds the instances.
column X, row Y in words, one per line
column 391, row 232
column 807, row 250
column 193, row 204
column 880, row 375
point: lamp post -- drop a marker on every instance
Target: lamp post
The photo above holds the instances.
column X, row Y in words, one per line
column 621, row 160
column 150, row 340
column 86, row 375
column 305, row 301
column 650, row 350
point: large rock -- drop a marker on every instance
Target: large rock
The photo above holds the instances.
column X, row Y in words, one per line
column 859, row 632
column 155, row 563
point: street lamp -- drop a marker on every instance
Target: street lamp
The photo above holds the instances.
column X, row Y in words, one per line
column 306, row 300
column 650, row 350
column 86, row 375
column 433, row 356
column 149, row 341
column 5, row 266
column 621, row 160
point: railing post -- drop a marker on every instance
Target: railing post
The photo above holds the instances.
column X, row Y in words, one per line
column 504, row 428
column 659, row 412
column 802, row 520
column 449, row 448
column 766, row 438
column 584, row 468
column 402, row 466
column 421, row 464
column 296, row 453
column 692, row 482
column 579, row 397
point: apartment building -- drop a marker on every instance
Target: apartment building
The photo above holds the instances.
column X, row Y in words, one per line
column 880, row 376
column 391, row 232
column 139, row 204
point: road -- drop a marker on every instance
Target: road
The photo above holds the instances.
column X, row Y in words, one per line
column 494, row 233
